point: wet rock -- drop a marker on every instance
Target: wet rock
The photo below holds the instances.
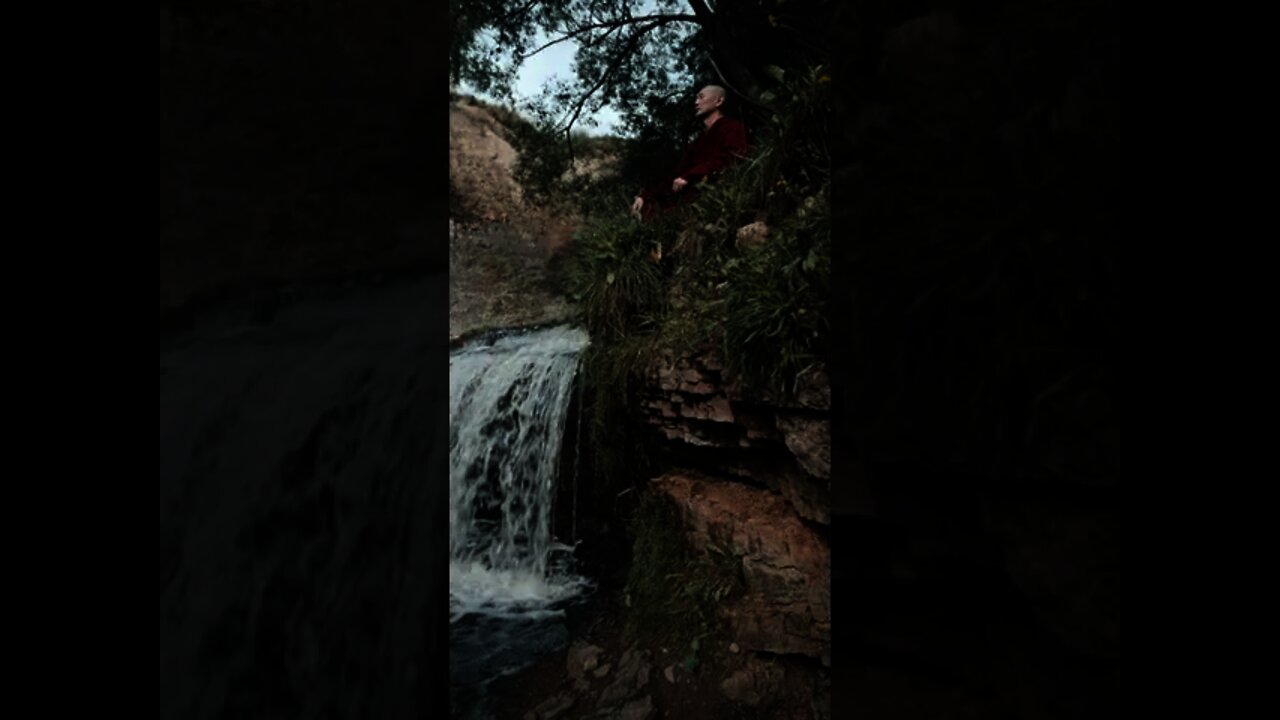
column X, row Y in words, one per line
column 582, row 658
column 632, row 676
column 641, row 709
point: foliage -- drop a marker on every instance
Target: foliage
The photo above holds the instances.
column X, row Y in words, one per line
column 644, row 59
column 613, row 277
column 765, row 306
column 625, row 52
column 776, row 322
column 673, row 591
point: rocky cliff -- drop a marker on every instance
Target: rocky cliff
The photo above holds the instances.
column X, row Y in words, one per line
column 752, row 474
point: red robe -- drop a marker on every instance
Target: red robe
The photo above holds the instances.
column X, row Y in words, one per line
column 712, row 151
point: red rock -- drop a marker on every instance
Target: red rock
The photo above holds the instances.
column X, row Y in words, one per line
column 714, row 410
column 785, row 563
column 698, row 388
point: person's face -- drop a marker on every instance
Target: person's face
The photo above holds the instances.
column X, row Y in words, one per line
column 706, row 101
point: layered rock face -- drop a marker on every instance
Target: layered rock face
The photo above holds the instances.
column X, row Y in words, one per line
column 785, row 563
column 784, row 445
column 761, row 489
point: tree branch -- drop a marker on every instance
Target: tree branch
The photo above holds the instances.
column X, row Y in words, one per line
column 608, row 72
column 662, row 19
column 570, row 36
column 519, row 11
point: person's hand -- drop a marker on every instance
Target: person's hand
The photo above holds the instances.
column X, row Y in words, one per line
column 635, row 206
column 678, row 184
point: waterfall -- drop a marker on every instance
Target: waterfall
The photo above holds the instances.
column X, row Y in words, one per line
column 508, row 401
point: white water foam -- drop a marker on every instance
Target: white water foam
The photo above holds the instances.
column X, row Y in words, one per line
column 508, row 401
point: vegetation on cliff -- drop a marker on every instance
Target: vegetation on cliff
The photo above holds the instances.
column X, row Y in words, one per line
column 674, row 591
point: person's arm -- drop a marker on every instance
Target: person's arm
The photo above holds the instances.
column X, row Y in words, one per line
column 642, row 198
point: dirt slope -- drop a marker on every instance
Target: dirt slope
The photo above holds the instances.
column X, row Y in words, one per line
column 501, row 248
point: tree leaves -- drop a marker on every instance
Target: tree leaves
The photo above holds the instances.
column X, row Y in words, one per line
column 629, row 51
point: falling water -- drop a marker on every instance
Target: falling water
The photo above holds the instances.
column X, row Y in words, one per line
column 508, row 401
column 577, row 453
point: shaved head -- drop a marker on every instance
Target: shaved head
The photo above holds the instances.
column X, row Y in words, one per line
column 708, row 101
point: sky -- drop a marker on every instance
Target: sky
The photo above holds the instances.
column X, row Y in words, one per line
column 554, row 62
column 557, row 62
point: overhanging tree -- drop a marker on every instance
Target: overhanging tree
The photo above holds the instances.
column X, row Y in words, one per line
column 635, row 54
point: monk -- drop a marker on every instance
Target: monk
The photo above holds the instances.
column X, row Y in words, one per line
column 723, row 142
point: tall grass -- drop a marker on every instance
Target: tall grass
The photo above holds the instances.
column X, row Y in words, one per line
column 674, row 591
column 614, row 277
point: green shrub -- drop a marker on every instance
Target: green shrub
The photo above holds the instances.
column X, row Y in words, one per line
column 775, row 324
column 612, row 276
column 673, row 591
